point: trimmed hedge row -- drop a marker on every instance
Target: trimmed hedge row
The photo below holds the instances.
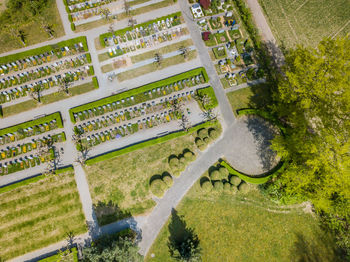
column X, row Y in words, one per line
column 124, row 30
column 31, row 123
column 43, row 49
column 138, row 90
column 64, row 169
column 95, row 82
column 147, row 143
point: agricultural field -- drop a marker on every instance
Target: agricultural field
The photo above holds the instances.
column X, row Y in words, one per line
column 38, row 214
column 306, row 22
column 249, row 228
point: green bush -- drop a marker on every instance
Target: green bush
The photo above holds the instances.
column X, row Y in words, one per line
column 182, row 160
column 223, row 172
column 88, row 57
column 206, row 140
column 174, row 162
column 198, row 141
column 207, row 186
column 209, row 91
column 213, row 133
column 244, row 188
column 189, row 156
column 218, row 186
column 158, row 187
column 227, row 187
column 70, row 18
column 95, row 82
column 72, row 26
column 234, row 189
column 168, row 180
column 215, row 175
column 235, row 180
column 202, row 133
column 202, row 147
column 177, row 173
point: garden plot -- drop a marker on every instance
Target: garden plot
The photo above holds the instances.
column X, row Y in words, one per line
column 38, row 214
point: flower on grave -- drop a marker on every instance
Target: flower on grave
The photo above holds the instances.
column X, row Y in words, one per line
column 49, row 58
column 34, row 145
column 3, row 155
column 47, row 128
column 167, row 118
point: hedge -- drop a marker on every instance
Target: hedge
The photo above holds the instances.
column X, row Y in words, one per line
column 72, row 26
column 144, row 144
column 64, row 169
column 88, row 57
column 124, row 30
column 138, row 90
column 266, row 115
column 91, row 70
column 57, row 257
column 70, row 18
column 31, row 123
column 256, row 179
column 43, row 49
column 95, row 82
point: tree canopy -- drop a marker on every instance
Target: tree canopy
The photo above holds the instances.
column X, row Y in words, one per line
column 313, row 98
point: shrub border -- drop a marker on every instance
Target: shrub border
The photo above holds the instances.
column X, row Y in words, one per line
column 147, row 143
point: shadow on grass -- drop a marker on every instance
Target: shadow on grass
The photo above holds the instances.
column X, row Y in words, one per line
column 109, row 212
column 321, row 249
column 183, row 243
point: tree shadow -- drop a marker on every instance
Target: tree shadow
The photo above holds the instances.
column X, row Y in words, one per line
column 203, row 179
column 263, row 133
column 109, row 212
column 183, row 243
column 320, row 249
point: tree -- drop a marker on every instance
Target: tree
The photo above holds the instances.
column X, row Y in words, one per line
column 184, row 51
column 127, row 8
column 35, row 93
column 158, row 58
column 64, row 85
column 105, row 13
column 83, row 149
column 313, row 98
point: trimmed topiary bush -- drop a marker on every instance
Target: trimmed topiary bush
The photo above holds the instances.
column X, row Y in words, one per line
column 206, row 140
column 202, row 133
column 234, row 189
column 173, row 162
column 223, row 172
column 189, row 156
column 244, row 188
column 213, row 133
column 176, row 173
column 227, row 187
column 218, row 186
column 168, row 180
column 235, row 180
column 215, row 175
column 207, row 186
column 158, row 187
column 202, row 147
column 182, row 160
column 198, row 141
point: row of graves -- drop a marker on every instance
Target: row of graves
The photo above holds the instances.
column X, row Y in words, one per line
column 108, row 133
column 46, row 57
column 35, row 144
column 23, row 133
column 79, row 5
column 152, row 29
column 139, row 98
column 42, row 71
column 139, row 111
column 44, row 84
column 244, row 75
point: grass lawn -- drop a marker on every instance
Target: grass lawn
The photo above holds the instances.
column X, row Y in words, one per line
column 124, row 180
column 166, row 62
column 35, row 34
column 138, row 11
column 256, row 96
column 53, row 97
column 211, row 41
column 219, row 52
column 39, row 214
column 306, row 22
column 221, row 37
column 162, row 50
column 244, row 228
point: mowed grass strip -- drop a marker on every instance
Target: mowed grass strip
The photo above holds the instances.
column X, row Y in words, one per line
column 306, row 22
column 47, row 99
column 39, row 214
column 247, row 228
column 124, row 180
column 166, row 62
column 162, row 50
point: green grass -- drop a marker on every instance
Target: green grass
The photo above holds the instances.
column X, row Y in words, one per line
column 43, row 49
column 208, row 91
column 246, row 228
column 41, row 120
column 123, row 181
column 162, row 50
column 39, row 214
column 51, row 98
column 306, row 22
column 72, row 257
column 256, row 96
column 35, row 34
column 219, row 54
column 139, row 90
column 166, row 62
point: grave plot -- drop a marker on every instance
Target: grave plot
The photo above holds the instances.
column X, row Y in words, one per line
column 35, row 73
column 30, row 144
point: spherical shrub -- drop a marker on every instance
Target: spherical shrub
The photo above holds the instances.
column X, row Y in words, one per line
column 218, row 185
column 206, row 140
column 182, row 160
column 244, row 188
column 202, row 133
column 173, row 162
column 168, row 180
column 235, row 180
column 189, row 156
column 158, row 187
column 227, row 187
column 198, row 141
column 234, row 189
column 207, row 186
column 176, row 173
column 215, row 175
column 213, row 133
column 202, row 147
column 223, row 171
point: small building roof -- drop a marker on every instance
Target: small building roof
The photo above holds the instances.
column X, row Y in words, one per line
column 205, row 3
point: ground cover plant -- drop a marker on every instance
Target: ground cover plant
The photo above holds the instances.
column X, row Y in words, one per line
column 67, row 256
column 306, row 22
column 29, row 22
column 39, row 214
column 235, row 222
